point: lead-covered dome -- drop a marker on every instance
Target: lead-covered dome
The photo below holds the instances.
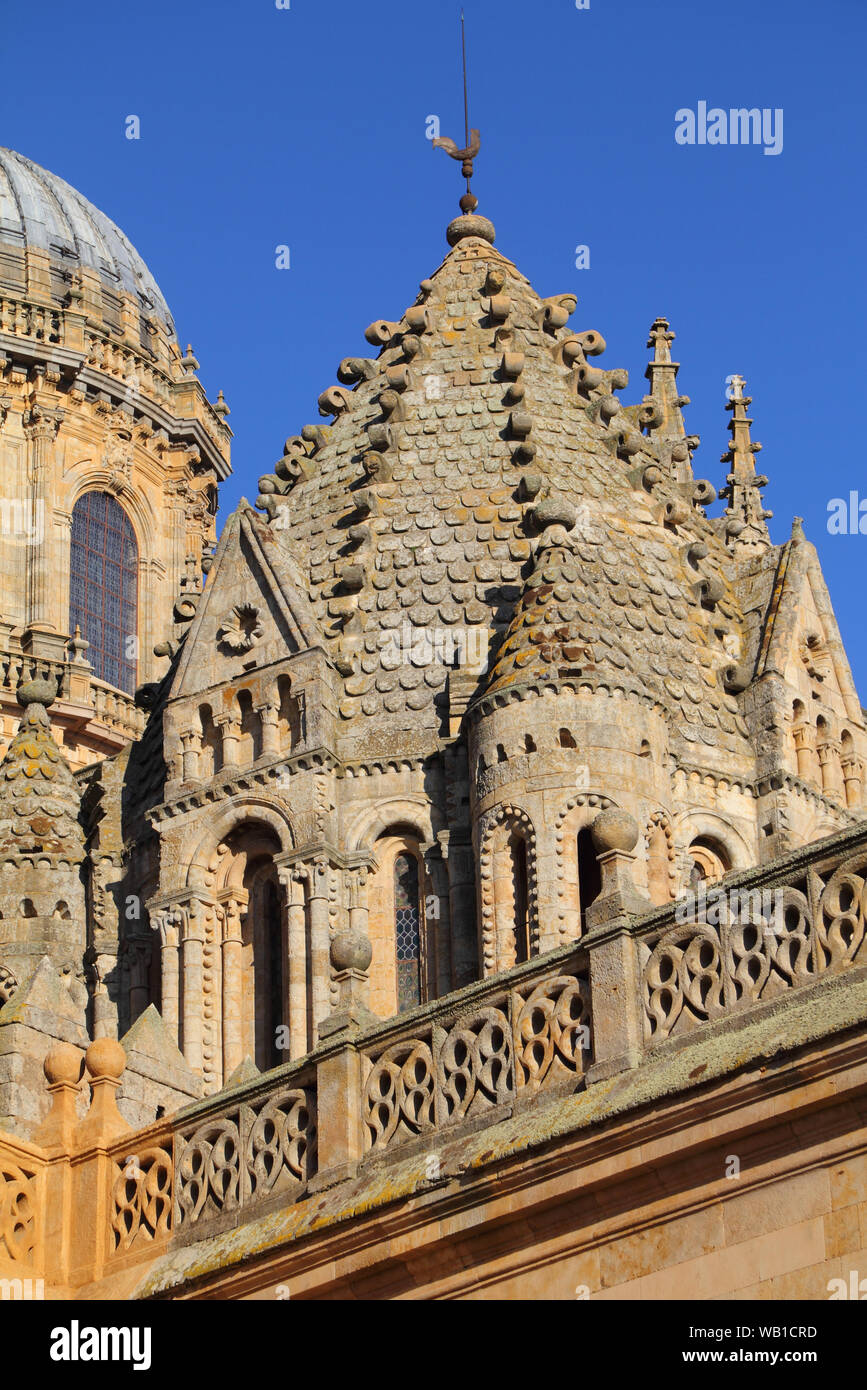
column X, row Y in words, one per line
column 40, row 211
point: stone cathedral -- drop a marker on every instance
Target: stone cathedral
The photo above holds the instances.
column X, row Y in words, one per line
column 342, row 947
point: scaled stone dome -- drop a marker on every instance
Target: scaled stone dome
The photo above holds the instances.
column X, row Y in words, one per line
column 479, row 474
column 39, row 210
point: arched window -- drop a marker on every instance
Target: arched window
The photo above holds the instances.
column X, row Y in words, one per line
column 708, row 862
column 520, row 897
column 511, row 889
column 211, row 758
column 407, row 932
column 103, row 587
column 589, row 875
column 261, row 999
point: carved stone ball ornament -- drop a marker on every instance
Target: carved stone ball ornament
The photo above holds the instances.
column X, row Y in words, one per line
column 241, row 630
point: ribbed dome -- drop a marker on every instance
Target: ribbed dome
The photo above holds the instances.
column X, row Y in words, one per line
column 38, row 209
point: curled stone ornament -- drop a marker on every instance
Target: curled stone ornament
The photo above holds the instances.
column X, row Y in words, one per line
column 241, row 629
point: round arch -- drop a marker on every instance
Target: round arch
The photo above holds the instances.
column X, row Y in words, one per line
column 104, row 588
column 131, row 499
column 409, row 812
column 250, row 811
column 707, row 825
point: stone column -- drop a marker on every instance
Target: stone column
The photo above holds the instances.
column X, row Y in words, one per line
column 829, row 762
column 460, row 867
column 192, row 748
column 139, row 961
column 320, row 939
column 356, row 897
column 41, row 431
column 852, row 776
column 231, row 734
column 193, row 953
column 805, row 754
column 437, row 946
column 168, row 923
column 229, row 915
column 268, row 718
column 292, row 881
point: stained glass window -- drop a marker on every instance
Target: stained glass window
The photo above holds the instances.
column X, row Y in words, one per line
column 407, row 930
column 103, row 587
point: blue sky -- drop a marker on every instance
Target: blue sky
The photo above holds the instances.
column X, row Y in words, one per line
column 306, row 127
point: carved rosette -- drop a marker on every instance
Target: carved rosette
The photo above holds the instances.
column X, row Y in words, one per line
column 241, row 629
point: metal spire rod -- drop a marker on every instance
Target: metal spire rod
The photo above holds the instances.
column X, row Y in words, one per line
column 466, row 103
column 472, row 138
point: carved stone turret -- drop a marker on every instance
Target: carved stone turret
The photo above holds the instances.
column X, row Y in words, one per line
column 746, row 517
column 42, row 897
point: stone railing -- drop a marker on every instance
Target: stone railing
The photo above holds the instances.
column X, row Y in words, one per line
column 116, row 709
column 38, row 321
column 22, row 1220
column 214, row 1159
column 499, row 1044
column 18, row 667
column 639, row 980
column 371, row 1089
column 754, row 936
column 456, row 1060
column 19, row 1205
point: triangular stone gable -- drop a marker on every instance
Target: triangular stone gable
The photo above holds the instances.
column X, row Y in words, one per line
column 44, row 1003
column 801, row 640
column 253, row 584
column 156, row 1072
column 245, row 1071
column 149, row 1037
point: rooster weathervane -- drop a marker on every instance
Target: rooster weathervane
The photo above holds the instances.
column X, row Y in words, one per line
column 472, row 139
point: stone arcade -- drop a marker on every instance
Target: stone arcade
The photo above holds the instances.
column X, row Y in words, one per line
column 350, row 949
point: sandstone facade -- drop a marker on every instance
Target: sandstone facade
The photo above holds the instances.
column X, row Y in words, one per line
column 477, row 684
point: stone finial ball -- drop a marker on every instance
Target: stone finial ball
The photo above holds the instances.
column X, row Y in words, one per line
column 63, row 1065
column 105, row 1057
column 614, row 829
column 37, row 692
column 470, row 225
column 351, row 950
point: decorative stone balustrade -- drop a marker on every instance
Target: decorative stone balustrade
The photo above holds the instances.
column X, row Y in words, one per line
column 373, row 1091
column 113, row 714
column 502, row 1045
column 522, row 1037
column 24, row 320
column 754, row 936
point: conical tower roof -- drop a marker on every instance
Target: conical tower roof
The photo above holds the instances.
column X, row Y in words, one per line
column 421, row 506
column 39, row 801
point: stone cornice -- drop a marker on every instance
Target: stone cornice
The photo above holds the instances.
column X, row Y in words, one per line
column 73, row 365
column 766, row 784
column 247, row 779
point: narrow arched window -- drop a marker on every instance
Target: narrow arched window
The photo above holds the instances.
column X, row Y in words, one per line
column 407, row 932
column 707, row 861
column 103, row 587
column 589, row 875
column 520, row 897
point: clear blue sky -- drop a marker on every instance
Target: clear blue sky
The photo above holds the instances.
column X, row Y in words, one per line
column 306, row 127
